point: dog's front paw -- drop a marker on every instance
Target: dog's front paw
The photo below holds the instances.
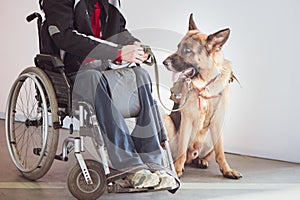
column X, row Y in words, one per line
column 232, row 174
column 179, row 165
column 179, row 171
column 179, row 168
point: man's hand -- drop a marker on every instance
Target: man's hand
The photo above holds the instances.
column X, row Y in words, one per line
column 133, row 53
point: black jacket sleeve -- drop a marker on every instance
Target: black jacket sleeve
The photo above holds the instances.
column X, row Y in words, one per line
column 72, row 36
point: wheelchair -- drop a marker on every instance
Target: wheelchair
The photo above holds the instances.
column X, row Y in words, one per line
column 39, row 101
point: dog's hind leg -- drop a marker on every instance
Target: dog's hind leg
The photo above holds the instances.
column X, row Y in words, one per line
column 198, row 160
column 170, row 127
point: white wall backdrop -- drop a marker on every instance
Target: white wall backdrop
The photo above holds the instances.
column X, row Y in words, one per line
column 263, row 115
column 18, row 43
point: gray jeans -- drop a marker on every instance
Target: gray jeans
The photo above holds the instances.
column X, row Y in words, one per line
column 125, row 149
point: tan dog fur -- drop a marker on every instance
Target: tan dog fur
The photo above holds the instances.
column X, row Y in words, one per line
column 202, row 112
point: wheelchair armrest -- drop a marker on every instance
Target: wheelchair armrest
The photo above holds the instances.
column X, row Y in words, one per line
column 42, row 59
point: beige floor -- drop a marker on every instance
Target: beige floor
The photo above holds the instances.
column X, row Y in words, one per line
column 263, row 179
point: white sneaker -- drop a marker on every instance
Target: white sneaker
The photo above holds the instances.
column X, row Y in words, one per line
column 143, row 179
column 166, row 181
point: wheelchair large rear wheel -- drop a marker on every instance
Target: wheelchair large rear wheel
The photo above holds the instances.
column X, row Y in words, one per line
column 31, row 110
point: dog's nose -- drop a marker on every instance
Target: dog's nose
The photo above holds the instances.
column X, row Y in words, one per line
column 167, row 62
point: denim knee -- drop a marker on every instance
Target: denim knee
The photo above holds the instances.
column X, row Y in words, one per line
column 85, row 84
column 142, row 76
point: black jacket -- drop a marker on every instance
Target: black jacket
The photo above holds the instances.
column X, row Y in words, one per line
column 67, row 31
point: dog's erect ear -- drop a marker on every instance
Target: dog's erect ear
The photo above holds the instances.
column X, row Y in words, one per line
column 192, row 25
column 215, row 41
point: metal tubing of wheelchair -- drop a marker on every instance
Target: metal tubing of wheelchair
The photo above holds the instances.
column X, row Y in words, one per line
column 82, row 143
column 39, row 25
column 85, row 109
column 78, row 145
column 65, row 147
column 169, row 156
column 104, row 160
column 165, row 140
column 84, row 168
column 81, row 116
column 100, row 145
column 78, row 148
column 88, row 107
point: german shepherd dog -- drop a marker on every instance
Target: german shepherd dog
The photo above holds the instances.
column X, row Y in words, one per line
column 201, row 94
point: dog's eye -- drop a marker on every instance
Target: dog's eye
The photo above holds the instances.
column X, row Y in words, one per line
column 186, row 50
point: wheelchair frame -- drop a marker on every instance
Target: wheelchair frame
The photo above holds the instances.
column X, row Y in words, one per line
column 39, row 125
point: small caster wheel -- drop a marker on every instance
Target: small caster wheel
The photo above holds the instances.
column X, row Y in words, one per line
column 78, row 186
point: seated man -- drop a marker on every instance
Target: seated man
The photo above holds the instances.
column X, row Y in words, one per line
column 89, row 33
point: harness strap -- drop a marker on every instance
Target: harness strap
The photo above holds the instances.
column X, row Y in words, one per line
column 201, row 90
column 199, row 103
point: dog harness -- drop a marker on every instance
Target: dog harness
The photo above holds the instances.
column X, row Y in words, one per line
column 205, row 88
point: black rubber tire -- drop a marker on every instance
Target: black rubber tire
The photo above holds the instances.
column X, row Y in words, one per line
column 78, row 186
column 33, row 165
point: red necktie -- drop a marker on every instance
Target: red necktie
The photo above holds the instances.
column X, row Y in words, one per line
column 95, row 20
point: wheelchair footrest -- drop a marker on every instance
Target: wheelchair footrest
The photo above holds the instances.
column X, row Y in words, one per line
column 118, row 187
column 60, row 157
column 37, row 151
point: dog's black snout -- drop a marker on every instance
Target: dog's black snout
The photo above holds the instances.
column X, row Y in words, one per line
column 166, row 62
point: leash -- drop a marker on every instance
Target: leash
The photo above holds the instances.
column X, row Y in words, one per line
column 153, row 62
